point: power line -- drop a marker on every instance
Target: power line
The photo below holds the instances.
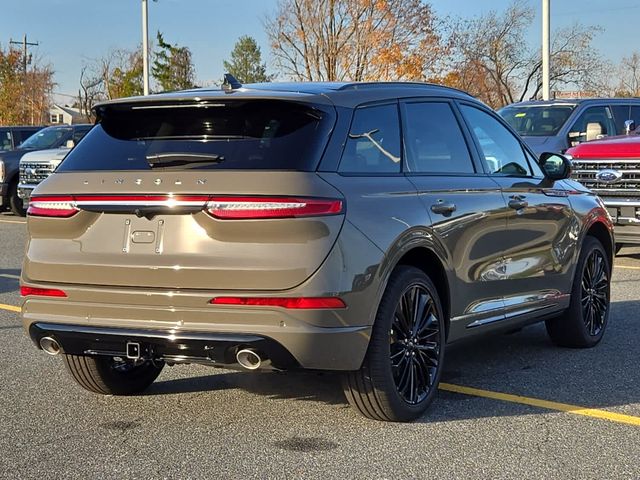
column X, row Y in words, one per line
column 26, row 58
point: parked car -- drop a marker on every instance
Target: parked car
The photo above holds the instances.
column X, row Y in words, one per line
column 352, row 227
column 37, row 166
column 556, row 125
column 611, row 169
column 47, row 138
column 12, row 137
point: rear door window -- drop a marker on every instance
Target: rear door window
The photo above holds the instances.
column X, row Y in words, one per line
column 79, row 133
column 635, row 115
column 373, row 144
column 433, row 140
column 621, row 113
column 593, row 123
column 225, row 135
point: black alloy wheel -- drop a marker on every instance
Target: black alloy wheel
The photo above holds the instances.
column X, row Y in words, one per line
column 583, row 324
column 399, row 377
column 595, row 293
column 415, row 344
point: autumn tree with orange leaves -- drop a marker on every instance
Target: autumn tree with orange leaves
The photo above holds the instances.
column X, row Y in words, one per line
column 356, row 40
column 25, row 96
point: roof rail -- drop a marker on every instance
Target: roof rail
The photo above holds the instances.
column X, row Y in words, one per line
column 355, row 85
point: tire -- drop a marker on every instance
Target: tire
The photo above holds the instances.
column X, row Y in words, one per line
column 15, row 202
column 381, row 391
column 585, row 321
column 106, row 376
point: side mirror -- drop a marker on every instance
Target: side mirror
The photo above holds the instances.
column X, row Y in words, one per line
column 555, row 166
column 70, row 144
column 629, row 126
column 594, row 131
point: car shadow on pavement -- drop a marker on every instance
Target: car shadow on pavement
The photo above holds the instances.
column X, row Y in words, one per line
column 311, row 386
column 9, row 280
column 523, row 363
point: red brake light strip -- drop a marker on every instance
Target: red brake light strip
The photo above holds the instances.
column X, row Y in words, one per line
column 224, row 208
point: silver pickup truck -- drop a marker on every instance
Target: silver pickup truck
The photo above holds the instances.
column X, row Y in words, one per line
column 37, row 166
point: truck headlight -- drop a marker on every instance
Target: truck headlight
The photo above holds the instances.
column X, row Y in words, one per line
column 1, row 171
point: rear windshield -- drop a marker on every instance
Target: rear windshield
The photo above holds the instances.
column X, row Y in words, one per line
column 251, row 134
column 537, row 120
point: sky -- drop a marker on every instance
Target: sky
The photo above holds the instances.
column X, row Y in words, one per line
column 71, row 33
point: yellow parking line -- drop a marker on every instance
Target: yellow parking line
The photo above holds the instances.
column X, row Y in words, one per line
column 11, row 308
column 535, row 402
column 627, row 267
column 507, row 397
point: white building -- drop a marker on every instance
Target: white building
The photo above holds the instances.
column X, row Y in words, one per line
column 59, row 115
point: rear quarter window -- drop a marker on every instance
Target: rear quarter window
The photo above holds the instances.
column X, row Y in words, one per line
column 226, row 135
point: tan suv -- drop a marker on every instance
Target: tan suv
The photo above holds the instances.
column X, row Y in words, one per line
column 339, row 226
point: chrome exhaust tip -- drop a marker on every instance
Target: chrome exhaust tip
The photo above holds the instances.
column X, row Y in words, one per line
column 248, row 359
column 50, row 345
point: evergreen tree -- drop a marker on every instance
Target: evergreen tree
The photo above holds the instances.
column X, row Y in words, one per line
column 172, row 67
column 246, row 62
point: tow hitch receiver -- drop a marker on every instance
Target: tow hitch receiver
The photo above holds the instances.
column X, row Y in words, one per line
column 133, row 350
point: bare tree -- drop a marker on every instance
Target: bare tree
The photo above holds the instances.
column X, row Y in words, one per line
column 629, row 73
column 91, row 91
column 325, row 40
column 492, row 61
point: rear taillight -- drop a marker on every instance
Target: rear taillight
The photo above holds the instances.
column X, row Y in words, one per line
column 41, row 292
column 223, row 208
column 58, row 206
column 284, row 302
column 245, row 208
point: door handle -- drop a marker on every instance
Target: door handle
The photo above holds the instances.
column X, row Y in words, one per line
column 517, row 202
column 443, row 208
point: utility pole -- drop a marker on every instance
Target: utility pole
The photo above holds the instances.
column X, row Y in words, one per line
column 546, row 49
column 145, row 47
column 26, row 58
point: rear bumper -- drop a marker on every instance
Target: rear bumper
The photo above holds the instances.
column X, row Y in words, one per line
column 209, row 335
column 626, row 217
column 180, row 347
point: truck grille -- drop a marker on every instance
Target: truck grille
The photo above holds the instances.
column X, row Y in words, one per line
column 32, row 173
column 585, row 171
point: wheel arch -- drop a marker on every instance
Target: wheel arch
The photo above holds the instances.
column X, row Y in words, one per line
column 600, row 231
column 427, row 260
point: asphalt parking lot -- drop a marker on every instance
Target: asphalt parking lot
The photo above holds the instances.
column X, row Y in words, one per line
column 198, row 422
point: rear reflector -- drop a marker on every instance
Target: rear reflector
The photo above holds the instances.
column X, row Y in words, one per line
column 58, row 206
column 237, row 208
column 296, row 303
column 41, row 292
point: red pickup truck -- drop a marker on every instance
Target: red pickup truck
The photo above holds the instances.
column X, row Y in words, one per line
column 611, row 169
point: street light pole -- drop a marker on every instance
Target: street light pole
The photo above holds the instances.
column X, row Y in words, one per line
column 145, row 47
column 546, row 49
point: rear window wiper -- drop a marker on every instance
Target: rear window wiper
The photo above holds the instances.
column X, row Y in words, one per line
column 175, row 159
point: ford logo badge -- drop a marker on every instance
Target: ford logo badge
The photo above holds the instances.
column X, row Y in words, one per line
column 608, row 176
